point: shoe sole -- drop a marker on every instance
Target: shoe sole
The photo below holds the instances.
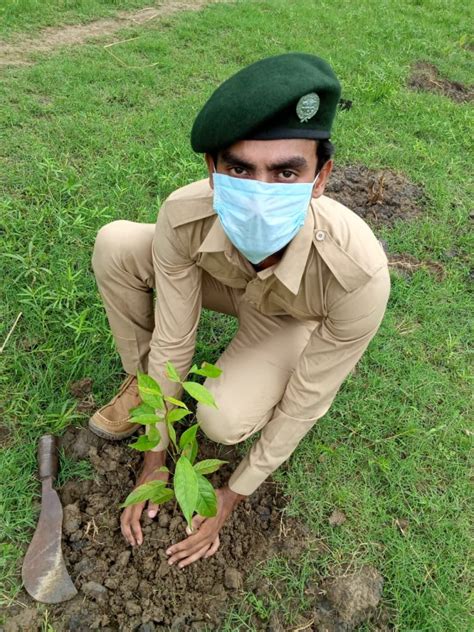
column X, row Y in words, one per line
column 115, row 436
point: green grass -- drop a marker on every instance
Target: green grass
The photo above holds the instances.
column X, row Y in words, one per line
column 85, row 140
column 17, row 16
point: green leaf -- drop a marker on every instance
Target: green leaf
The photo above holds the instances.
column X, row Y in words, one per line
column 142, row 409
column 147, row 419
column 200, row 393
column 172, row 434
column 190, row 450
column 156, row 491
column 208, row 466
column 143, row 444
column 207, row 370
column 150, row 391
column 153, row 433
column 163, row 468
column 188, row 435
column 186, row 487
column 176, row 402
column 172, row 373
column 177, row 414
column 207, row 501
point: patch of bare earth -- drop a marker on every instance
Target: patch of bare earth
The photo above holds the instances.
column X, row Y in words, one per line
column 18, row 53
column 124, row 589
column 380, row 197
column 426, row 76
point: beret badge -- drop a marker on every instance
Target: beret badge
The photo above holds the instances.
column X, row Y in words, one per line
column 307, row 107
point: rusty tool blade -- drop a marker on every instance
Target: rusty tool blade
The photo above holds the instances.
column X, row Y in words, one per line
column 44, row 572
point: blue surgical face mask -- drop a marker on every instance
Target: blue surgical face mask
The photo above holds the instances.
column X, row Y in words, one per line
column 260, row 218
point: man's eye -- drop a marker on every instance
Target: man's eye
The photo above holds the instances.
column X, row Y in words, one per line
column 287, row 175
column 238, row 171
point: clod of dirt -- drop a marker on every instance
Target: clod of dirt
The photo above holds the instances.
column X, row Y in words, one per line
column 425, row 76
column 353, row 598
column 26, row 619
column 77, row 442
column 337, row 518
column 4, row 436
column 81, row 390
column 406, row 265
column 123, row 588
column 53, row 38
column 233, row 579
column 379, row 197
column 71, row 518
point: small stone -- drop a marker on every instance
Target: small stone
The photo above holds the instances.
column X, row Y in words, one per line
column 94, row 590
column 71, row 518
column 337, row 518
column 163, row 519
column 179, row 624
column 112, row 583
column 84, row 566
column 233, row 579
column 132, row 608
column 149, row 626
column 123, row 559
column 163, row 569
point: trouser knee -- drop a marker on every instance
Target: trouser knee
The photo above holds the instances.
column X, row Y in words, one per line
column 110, row 242
column 225, row 427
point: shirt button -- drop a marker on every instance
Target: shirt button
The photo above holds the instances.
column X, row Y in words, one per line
column 320, row 235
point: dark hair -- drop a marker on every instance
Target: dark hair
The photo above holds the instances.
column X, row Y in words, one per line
column 324, row 152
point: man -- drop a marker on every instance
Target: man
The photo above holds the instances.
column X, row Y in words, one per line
column 305, row 276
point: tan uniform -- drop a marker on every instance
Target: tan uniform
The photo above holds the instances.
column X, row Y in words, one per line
column 303, row 323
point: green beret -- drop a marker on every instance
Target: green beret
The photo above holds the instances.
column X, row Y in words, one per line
column 288, row 96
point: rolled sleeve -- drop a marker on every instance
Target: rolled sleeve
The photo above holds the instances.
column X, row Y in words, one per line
column 334, row 348
column 177, row 309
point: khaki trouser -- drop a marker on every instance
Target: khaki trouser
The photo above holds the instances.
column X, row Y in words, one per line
column 256, row 365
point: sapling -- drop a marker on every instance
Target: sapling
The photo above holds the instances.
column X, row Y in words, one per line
column 189, row 486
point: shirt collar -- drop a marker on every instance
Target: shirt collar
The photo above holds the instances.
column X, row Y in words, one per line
column 292, row 265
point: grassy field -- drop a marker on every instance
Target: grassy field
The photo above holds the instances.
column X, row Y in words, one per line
column 85, row 140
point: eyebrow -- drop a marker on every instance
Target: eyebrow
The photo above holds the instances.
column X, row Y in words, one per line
column 294, row 162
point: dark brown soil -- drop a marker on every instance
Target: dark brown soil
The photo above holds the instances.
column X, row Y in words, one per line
column 426, row 76
column 124, row 589
column 379, row 197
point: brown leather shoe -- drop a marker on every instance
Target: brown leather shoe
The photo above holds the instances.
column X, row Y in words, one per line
column 112, row 421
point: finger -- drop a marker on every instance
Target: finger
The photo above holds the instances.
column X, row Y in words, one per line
column 191, row 549
column 125, row 528
column 135, row 523
column 152, row 510
column 213, row 548
column 192, row 558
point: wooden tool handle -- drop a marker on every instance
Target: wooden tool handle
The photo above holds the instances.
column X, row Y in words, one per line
column 48, row 456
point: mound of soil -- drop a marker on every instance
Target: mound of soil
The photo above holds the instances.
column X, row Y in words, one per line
column 426, row 76
column 379, row 197
column 126, row 589
column 134, row 589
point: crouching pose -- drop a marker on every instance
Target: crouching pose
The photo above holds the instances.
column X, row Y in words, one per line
column 305, row 276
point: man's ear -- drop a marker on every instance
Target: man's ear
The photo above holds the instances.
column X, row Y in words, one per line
column 321, row 182
column 210, row 168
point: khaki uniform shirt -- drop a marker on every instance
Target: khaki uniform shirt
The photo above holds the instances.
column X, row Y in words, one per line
column 334, row 273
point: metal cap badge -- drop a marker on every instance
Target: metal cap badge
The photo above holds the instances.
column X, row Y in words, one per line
column 307, row 106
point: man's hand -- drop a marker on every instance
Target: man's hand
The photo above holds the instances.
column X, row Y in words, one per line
column 130, row 518
column 204, row 540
